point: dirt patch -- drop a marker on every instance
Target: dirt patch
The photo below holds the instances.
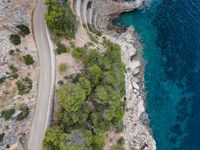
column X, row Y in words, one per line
column 73, row 66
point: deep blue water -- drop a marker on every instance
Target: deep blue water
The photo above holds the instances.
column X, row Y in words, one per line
column 170, row 33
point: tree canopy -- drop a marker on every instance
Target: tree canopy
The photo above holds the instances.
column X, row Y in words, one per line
column 71, row 96
column 91, row 104
column 60, row 19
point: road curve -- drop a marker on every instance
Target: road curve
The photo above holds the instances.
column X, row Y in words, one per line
column 43, row 111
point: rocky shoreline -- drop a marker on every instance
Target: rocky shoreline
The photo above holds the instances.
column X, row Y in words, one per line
column 137, row 134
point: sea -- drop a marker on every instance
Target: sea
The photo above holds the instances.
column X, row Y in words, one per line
column 170, row 33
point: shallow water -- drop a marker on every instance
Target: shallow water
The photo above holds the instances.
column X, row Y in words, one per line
column 170, row 33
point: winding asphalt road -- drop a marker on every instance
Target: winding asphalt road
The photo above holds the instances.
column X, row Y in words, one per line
column 43, row 111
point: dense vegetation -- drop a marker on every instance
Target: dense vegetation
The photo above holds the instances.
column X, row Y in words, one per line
column 91, row 105
column 15, row 39
column 61, row 48
column 24, row 30
column 60, row 18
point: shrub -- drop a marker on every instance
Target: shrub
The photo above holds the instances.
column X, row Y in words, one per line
column 62, row 68
column 61, row 48
column 24, row 86
column 13, row 72
column 79, row 52
column 2, row 79
column 28, row 59
column 7, row 114
column 93, row 38
column 94, row 30
column 24, row 30
column 15, row 39
column 120, row 127
column 11, row 52
column 2, row 137
column 24, row 112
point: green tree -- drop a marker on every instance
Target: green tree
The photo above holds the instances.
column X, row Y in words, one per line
column 71, row 96
column 24, row 30
column 100, row 95
column 28, row 59
column 105, row 64
column 94, row 73
column 85, row 83
column 109, row 113
column 60, row 19
column 109, row 78
column 99, row 141
column 7, row 114
column 76, row 140
column 93, row 57
column 15, row 39
column 79, row 52
column 52, row 138
column 61, row 48
column 51, row 2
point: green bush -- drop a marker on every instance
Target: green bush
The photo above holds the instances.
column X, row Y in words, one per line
column 24, row 112
column 28, row 59
column 13, row 72
column 15, row 39
column 24, row 30
column 3, row 79
column 2, row 137
column 60, row 19
column 79, row 52
column 7, row 114
column 24, row 86
column 61, row 48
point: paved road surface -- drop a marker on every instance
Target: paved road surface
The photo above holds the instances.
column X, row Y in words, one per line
column 46, row 80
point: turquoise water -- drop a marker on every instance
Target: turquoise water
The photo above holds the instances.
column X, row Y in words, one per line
column 170, row 33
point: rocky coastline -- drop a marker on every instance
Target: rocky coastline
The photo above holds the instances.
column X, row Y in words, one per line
column 137, row 134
